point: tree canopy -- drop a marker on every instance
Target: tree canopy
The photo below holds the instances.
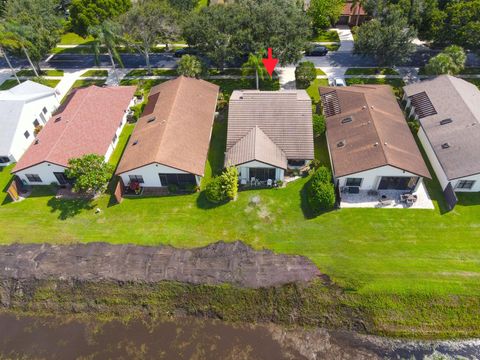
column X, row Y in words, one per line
column 190, row 66
column 324, row 13
column 450, row 61
column 230, row 32
column 387, row 38
column 87, row 13
column 91, row 173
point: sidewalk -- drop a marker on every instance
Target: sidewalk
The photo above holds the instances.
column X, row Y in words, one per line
column 346, row 38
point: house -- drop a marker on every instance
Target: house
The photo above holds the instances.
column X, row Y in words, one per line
column 170, row 142
column 89, row 122
column 370, row 144
column 268, row 132
column 353, row 14
column 448, row 109
column 24, row 109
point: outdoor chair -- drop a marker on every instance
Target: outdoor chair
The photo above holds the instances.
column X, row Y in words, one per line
column 253, row 181
column 269, row 182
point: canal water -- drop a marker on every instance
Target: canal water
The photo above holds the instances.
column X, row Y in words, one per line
column 192, row 338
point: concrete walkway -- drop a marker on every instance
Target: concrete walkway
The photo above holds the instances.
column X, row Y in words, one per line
column 286, row 77
column 346, row 38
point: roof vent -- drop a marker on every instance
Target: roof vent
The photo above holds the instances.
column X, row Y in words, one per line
column 135, row 143
column 445, row 145
column 364, row 107
column 385, row 143
column 376, row 144
column 37, row 141
column 445, row 121
column 58, row 119
column 347, row 120
column 341, row 144
column 152, row 119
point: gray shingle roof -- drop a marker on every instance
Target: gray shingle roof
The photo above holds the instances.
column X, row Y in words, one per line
column 256, row 146
column 458, row 100
column 285, row 117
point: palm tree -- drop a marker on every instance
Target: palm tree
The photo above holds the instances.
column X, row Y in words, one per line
column 6, row 41
column 12, row 36
column 106, row 35
column 356, row 4
column 254, row 63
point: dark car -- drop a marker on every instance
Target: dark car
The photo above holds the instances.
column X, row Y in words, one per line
column 185, row 51
column 317, row 51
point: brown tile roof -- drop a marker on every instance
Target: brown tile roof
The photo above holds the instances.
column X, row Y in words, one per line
column 85, row 124
column 256, row 146
column 285, row 117
column 377, row 134
column 457, row 101
column 349, row 9
column 183, row 110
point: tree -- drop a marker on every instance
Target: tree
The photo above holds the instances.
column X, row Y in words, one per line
column 148, row 23
column 460, row 24
column 37, row 35
column 305, row 73
column 320, row 190
column 90, row 172
column 190, row 66
column 225, row 33
column 106, row 35
column 254, row 64
column 183, row 6
column 319, row 125
column 324, row 13
column 388, row 39
column 9, row 41
column 450, row 61
column 223, row 187
column 87, row 13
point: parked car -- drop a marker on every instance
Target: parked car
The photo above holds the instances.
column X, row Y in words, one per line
column 337, row 82
column 317, row 51
column 185, row 51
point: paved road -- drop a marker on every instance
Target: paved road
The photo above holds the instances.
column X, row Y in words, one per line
column 333, row 59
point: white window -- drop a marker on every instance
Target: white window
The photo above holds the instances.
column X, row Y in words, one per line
column 354, row 182
column 33, row 177
column 136, row 178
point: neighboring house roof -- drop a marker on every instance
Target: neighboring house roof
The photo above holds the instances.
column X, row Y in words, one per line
column 456, row 143
column 183, row 110
column 366, row 129
column 349, row 9
column 285, row 118
column 85, row 124
column 12, row 102
column 256, row 145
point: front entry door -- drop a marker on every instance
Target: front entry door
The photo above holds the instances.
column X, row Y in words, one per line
column 398, row 183
column 61, row 178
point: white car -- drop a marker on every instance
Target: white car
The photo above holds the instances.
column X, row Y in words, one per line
column 338, row 82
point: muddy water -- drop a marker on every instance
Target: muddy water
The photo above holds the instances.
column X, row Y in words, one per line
column 187, row 338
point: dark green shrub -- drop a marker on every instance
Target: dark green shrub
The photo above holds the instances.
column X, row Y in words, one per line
column 214, row 191
column 414, row 126
column 321, row 196
column 305, row 73
column 314, row 164
column 172, row 189
column 319, row 125
column 322, row 175
column 224, row 187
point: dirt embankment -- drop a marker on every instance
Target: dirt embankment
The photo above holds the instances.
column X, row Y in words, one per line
column 234, row 263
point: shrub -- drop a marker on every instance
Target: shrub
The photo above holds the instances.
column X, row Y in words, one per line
column 320, row 191
column 305, row 73
column 172, row 188
column 318, row 125
column 190, row 66
column 414, row 126
column 137, row 110
column 314, row 164
column 224, row 187
column 91, row 173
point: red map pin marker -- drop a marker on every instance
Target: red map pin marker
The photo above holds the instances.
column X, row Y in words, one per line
column 270, row 62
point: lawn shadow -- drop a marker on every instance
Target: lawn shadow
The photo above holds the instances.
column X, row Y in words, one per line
column 468, row 199
column 69, row 208
column 203, row 203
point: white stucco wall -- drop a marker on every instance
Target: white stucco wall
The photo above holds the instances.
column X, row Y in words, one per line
column 31, row 111
column 442, row 178
column 44, row 170
column 150, row 174
column 244, row 172
column 121, row 125
column 371, row 178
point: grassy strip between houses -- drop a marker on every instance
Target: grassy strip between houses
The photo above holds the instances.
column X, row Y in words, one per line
column 10, row 83
column 371, row 71
column 396, row 84
column 155, row 72
column 48, row 72
column 95, row 73
column 400, row 272
column 86, row 82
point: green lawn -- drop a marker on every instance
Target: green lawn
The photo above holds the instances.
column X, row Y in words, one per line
column 415, row 272
column 312, row 90
column 371, row 71
column 326, row 36
column 9, row 83
column 397, row 84
column 320, row 72
column 155, row 72
column 49, row 72
column 332, row 47
column 74, row 39
column 86, row 82
column 95, row 73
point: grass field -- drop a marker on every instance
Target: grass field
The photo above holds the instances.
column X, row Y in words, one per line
column 74, row 39
column 86, row 82
column 9, row 83
column 155, row 72
column 415, row 272
column 49, row 72
column 95, row 73
column 371, row 71
column 326, row 36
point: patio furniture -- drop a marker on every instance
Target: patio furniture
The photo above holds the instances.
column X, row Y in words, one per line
column 253, row 182
column 353, row 190
column 385, row 202
column 372, row 193
column 243, row 181
column 269, row 182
